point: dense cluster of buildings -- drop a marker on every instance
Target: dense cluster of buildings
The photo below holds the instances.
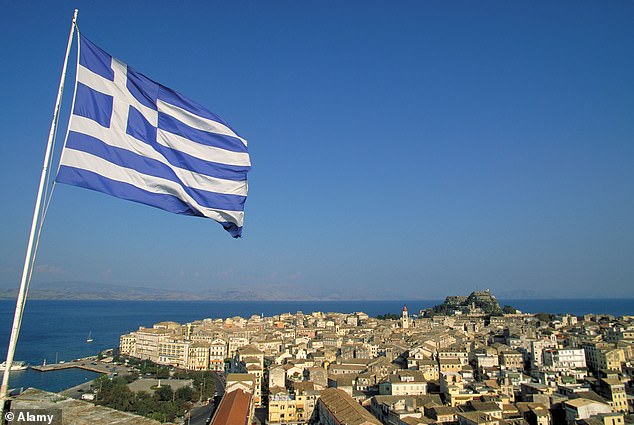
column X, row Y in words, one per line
column 467, row 368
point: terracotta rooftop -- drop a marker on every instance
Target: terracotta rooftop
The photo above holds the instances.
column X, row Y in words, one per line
column 344, row 409
column 233, row 409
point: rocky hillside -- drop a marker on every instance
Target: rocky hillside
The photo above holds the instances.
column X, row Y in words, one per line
column 478, row 302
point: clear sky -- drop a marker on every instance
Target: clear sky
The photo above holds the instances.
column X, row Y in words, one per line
column 410, row 149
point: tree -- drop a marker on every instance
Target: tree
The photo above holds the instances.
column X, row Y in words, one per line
column 164, row 393
column 114, row 393
column 163, row 404
column 182, row 374
column 544, row 317
column 131, row 377
column 184, row 394
column 163, row 373
column 388, row 316
column 507, row 309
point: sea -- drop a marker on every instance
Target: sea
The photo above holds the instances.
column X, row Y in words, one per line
column 53, row 331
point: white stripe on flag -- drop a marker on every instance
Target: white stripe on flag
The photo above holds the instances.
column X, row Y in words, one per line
column 206, row 153
column 196, row 121
column 189, row 178
column 170, row 140
column 95, row 164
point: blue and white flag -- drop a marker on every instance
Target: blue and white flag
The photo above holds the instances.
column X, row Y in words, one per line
column 135, row 139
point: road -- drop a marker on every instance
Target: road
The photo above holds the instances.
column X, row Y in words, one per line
column 77, row 391
column 200, row 415
column 220, row 383
column 87, row 364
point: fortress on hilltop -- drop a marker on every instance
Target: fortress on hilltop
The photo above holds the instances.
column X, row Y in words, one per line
column 477, row 303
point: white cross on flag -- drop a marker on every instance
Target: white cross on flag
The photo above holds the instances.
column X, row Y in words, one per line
column 136, row 139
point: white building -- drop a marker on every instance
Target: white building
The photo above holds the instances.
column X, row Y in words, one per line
column 405, row 320
column 565, row 358
column 582, row 408
column 403, row 385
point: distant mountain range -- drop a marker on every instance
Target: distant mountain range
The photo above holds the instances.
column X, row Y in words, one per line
column 102, row 291
column 96, row 291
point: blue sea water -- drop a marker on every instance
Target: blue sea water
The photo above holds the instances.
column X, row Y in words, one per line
column 58, row 329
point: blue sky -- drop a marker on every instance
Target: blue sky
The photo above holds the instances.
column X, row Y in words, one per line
column 399, row 149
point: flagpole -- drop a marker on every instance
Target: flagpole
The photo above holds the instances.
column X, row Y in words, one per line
column 30, row 252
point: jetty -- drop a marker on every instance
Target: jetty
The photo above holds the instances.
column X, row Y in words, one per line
column 90, row 364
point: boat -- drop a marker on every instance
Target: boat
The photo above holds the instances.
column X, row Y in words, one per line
column 89, row 339
column 18, row 365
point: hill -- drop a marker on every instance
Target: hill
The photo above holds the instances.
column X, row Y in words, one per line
column 478, row 302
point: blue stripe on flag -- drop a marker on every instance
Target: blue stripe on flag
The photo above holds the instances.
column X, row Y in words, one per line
column 232, row 228
column 174, row 98
column 95, row 59
column 212, row 169
column 92, row 104
column 141, row 129
column 171, row 124
column 142, row 88
column 152, row 167
column 93, row 181
column 89, row 180
column 146, row 171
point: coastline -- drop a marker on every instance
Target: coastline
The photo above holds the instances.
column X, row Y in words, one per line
column 90, row 364
column 58, row 328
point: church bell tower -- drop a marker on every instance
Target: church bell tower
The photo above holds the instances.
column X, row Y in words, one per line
column 405, row 318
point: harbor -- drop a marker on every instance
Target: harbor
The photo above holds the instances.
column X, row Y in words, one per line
column 91, row 364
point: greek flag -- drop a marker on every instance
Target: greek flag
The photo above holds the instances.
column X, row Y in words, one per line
column 136, row 139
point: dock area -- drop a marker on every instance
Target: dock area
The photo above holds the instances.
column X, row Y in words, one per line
column 91, row 364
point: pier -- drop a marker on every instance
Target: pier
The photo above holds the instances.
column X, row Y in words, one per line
column 89, row 364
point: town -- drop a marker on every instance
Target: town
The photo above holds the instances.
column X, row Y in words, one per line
column 466, row 362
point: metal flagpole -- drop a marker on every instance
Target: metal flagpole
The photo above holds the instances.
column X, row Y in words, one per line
column 30, row 252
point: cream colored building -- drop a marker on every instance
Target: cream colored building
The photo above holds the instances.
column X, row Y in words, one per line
column 277, row 376
column 282, row 409
column 127, row 344
column 619, row 333
column 403, row 385
column 198, row 356
column 461, row 355
column 148, row 341
column 602, row 356
column 217, row 354
column 291, row 408
column 511, row 359
column 173, row 352
column 582, row 408
column 249, row 359
column 613, row 391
